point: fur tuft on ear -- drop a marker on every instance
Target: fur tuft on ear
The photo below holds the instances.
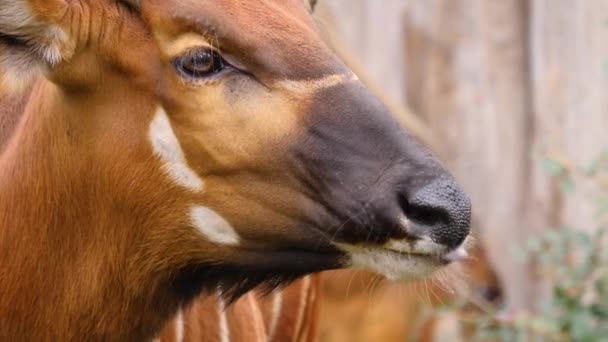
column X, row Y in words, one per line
column 45, row 41
column 27, row 45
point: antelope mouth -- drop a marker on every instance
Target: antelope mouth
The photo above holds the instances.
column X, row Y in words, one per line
column 403, row 260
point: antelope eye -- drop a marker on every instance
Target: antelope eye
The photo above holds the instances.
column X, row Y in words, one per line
column 200, row 63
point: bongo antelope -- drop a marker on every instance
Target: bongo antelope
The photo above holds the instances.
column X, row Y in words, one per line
column 288, row 314
column 176, row 148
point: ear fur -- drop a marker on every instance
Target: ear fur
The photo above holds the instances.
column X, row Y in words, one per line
column 17, row 68
column 27, row 45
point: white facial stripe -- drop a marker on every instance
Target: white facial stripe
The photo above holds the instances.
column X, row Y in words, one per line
column 167, row 148
column 311, row 86
column 177, row 46
column 213, row 226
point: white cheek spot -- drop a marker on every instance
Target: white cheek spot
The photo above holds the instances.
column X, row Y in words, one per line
column 167, row 148
column 213, row 226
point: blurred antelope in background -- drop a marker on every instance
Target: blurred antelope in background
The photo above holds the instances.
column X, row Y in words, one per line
column 161, row 159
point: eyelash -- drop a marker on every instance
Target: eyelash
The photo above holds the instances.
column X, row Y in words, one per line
column 200, row 64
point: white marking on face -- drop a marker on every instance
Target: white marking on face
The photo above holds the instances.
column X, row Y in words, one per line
column 277, row 308
column 311, row 86
column 179, row 326
column 394, row 266
column 459, row 254
column 405, row 260
column 423, row 246
column 167, row 148
column 175, row 46
column 213, row 227
column 223, row 321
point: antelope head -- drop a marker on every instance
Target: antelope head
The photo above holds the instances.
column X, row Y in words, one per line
column 221, row 144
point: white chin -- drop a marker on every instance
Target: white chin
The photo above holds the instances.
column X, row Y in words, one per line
column 393, row 265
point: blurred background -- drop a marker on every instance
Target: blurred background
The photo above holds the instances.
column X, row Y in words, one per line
column 511, row 95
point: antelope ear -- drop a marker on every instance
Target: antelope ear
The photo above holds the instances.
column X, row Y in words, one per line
column 30, row 37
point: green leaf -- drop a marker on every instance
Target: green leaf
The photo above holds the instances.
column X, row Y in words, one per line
column 601, row 208
column 533, row 245
column 552, row 166
column 581, row 325
column 564, row 299
column 599, row 310
column 580, row 237
column 592, row 168
column 567, row 185
column 506, row 334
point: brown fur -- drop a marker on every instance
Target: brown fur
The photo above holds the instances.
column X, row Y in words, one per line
column 11, row 108
column 200, row 320
column 91, row 252
column 95, row 239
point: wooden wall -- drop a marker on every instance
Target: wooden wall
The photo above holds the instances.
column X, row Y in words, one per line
column 501, row 84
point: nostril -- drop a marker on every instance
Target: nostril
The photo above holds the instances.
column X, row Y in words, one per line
column 439, row 210
column 423, row 213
